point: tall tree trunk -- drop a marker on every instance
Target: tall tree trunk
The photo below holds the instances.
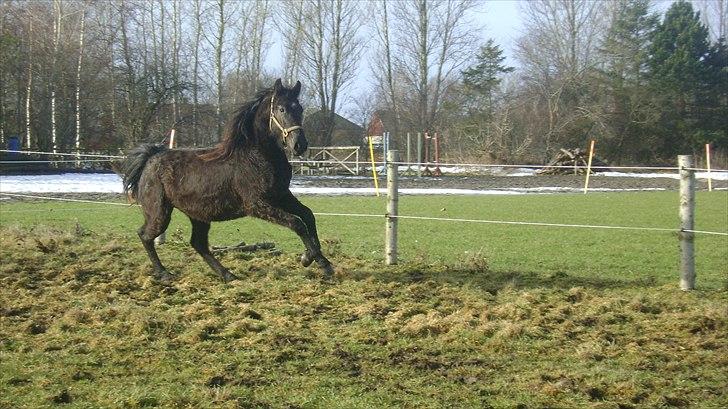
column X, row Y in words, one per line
column 320, row 56
column 390, row 76
column 444, row 52
column 112, row 72
column 196, row 71
column 78, row 83
column 218, row 64
column 336, row 17
column 155, row 48
column 423, row 65
column 54, row 76
column 293, row 45
column 175, row 59
column 29, row 88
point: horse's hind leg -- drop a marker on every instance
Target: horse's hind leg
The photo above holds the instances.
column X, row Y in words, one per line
column 199, row 242
column 156, row 221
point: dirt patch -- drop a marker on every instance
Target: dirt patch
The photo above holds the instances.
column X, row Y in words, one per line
column 508, row 182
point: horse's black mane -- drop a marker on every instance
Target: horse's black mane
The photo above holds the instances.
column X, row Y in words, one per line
column 240, row 131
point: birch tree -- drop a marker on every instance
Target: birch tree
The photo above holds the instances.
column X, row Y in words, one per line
column 29, row 84
column 82, row 31
column 714, row 14
column 57, row 19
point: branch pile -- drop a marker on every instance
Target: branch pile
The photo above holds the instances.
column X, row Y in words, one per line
column 570, row 161
column 248, row 248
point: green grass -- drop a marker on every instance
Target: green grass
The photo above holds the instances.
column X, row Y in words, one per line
column 475, row 315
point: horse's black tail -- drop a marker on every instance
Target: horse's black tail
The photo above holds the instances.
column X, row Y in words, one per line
column 131, row 168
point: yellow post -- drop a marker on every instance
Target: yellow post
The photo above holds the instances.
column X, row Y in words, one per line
column 374, row 166
column 588, row 166
column 171, row 139
column 707, row 162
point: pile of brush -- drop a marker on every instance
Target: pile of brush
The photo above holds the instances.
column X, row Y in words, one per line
column 269, row 247
column 571, row 161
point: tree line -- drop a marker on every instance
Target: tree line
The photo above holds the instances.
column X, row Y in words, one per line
column 106, row 75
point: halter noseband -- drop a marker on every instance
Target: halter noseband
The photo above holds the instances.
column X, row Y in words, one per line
column 273, row 120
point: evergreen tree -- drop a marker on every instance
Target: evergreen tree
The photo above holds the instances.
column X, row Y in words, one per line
column 715, row 116
column 625, row 101
column 681, row 79
column 482, row 79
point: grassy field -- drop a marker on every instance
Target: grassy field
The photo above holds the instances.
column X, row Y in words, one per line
column 475, row 315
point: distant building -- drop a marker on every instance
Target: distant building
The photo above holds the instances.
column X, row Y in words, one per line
column 346, row 132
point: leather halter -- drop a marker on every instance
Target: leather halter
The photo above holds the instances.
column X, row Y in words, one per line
column 273, row 120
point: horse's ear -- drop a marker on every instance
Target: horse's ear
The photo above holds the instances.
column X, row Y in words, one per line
column 296, row 89
column 277, row 86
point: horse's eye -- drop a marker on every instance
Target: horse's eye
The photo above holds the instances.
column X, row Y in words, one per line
column 282, row 109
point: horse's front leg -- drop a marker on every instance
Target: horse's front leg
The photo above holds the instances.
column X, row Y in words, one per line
column 293, row 214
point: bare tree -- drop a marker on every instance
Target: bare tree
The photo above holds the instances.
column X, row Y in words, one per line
column 383, row 70
column 196, row 70
column 433, row 40
column 219, row 45
column 291, row 25
column 82, row 31
column 330, row 52
column 57, row 28
column 556, row 54
column 714, row 14
column 29, row 84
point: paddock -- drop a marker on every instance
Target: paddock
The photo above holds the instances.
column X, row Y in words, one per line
column 473, row 314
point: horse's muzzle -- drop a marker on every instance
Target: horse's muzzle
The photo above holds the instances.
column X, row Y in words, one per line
column 300, row 143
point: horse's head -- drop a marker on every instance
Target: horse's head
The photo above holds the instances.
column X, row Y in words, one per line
column 286, row 118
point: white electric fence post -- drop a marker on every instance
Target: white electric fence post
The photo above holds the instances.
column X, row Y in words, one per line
column 707, row 165
column 162, row 238
column 419, row 154
column 409, row 155
column 687, row 222
column 392, row 212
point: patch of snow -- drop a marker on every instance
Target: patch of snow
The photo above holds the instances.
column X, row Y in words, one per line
column 698, row 175
column 63, row 183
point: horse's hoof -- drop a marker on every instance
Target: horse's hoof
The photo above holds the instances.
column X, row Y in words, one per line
column 306, row 259
column 328, row 272
column 228, row 277
column 165, row 278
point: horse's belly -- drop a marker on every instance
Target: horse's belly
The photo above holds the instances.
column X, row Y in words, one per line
column 213, row 209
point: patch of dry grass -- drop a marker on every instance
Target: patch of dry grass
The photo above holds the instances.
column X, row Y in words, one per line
column 82, row 324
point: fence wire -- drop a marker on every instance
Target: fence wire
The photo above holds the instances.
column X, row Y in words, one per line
column 385, row 216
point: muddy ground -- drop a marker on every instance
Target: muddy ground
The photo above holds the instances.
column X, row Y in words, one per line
column 507, row 182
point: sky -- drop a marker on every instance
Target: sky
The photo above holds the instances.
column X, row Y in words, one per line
column 501, row 21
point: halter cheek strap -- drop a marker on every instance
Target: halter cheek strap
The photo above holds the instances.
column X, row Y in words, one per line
column 273, row 120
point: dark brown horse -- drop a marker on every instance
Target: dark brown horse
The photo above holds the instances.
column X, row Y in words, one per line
column 246, row 174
